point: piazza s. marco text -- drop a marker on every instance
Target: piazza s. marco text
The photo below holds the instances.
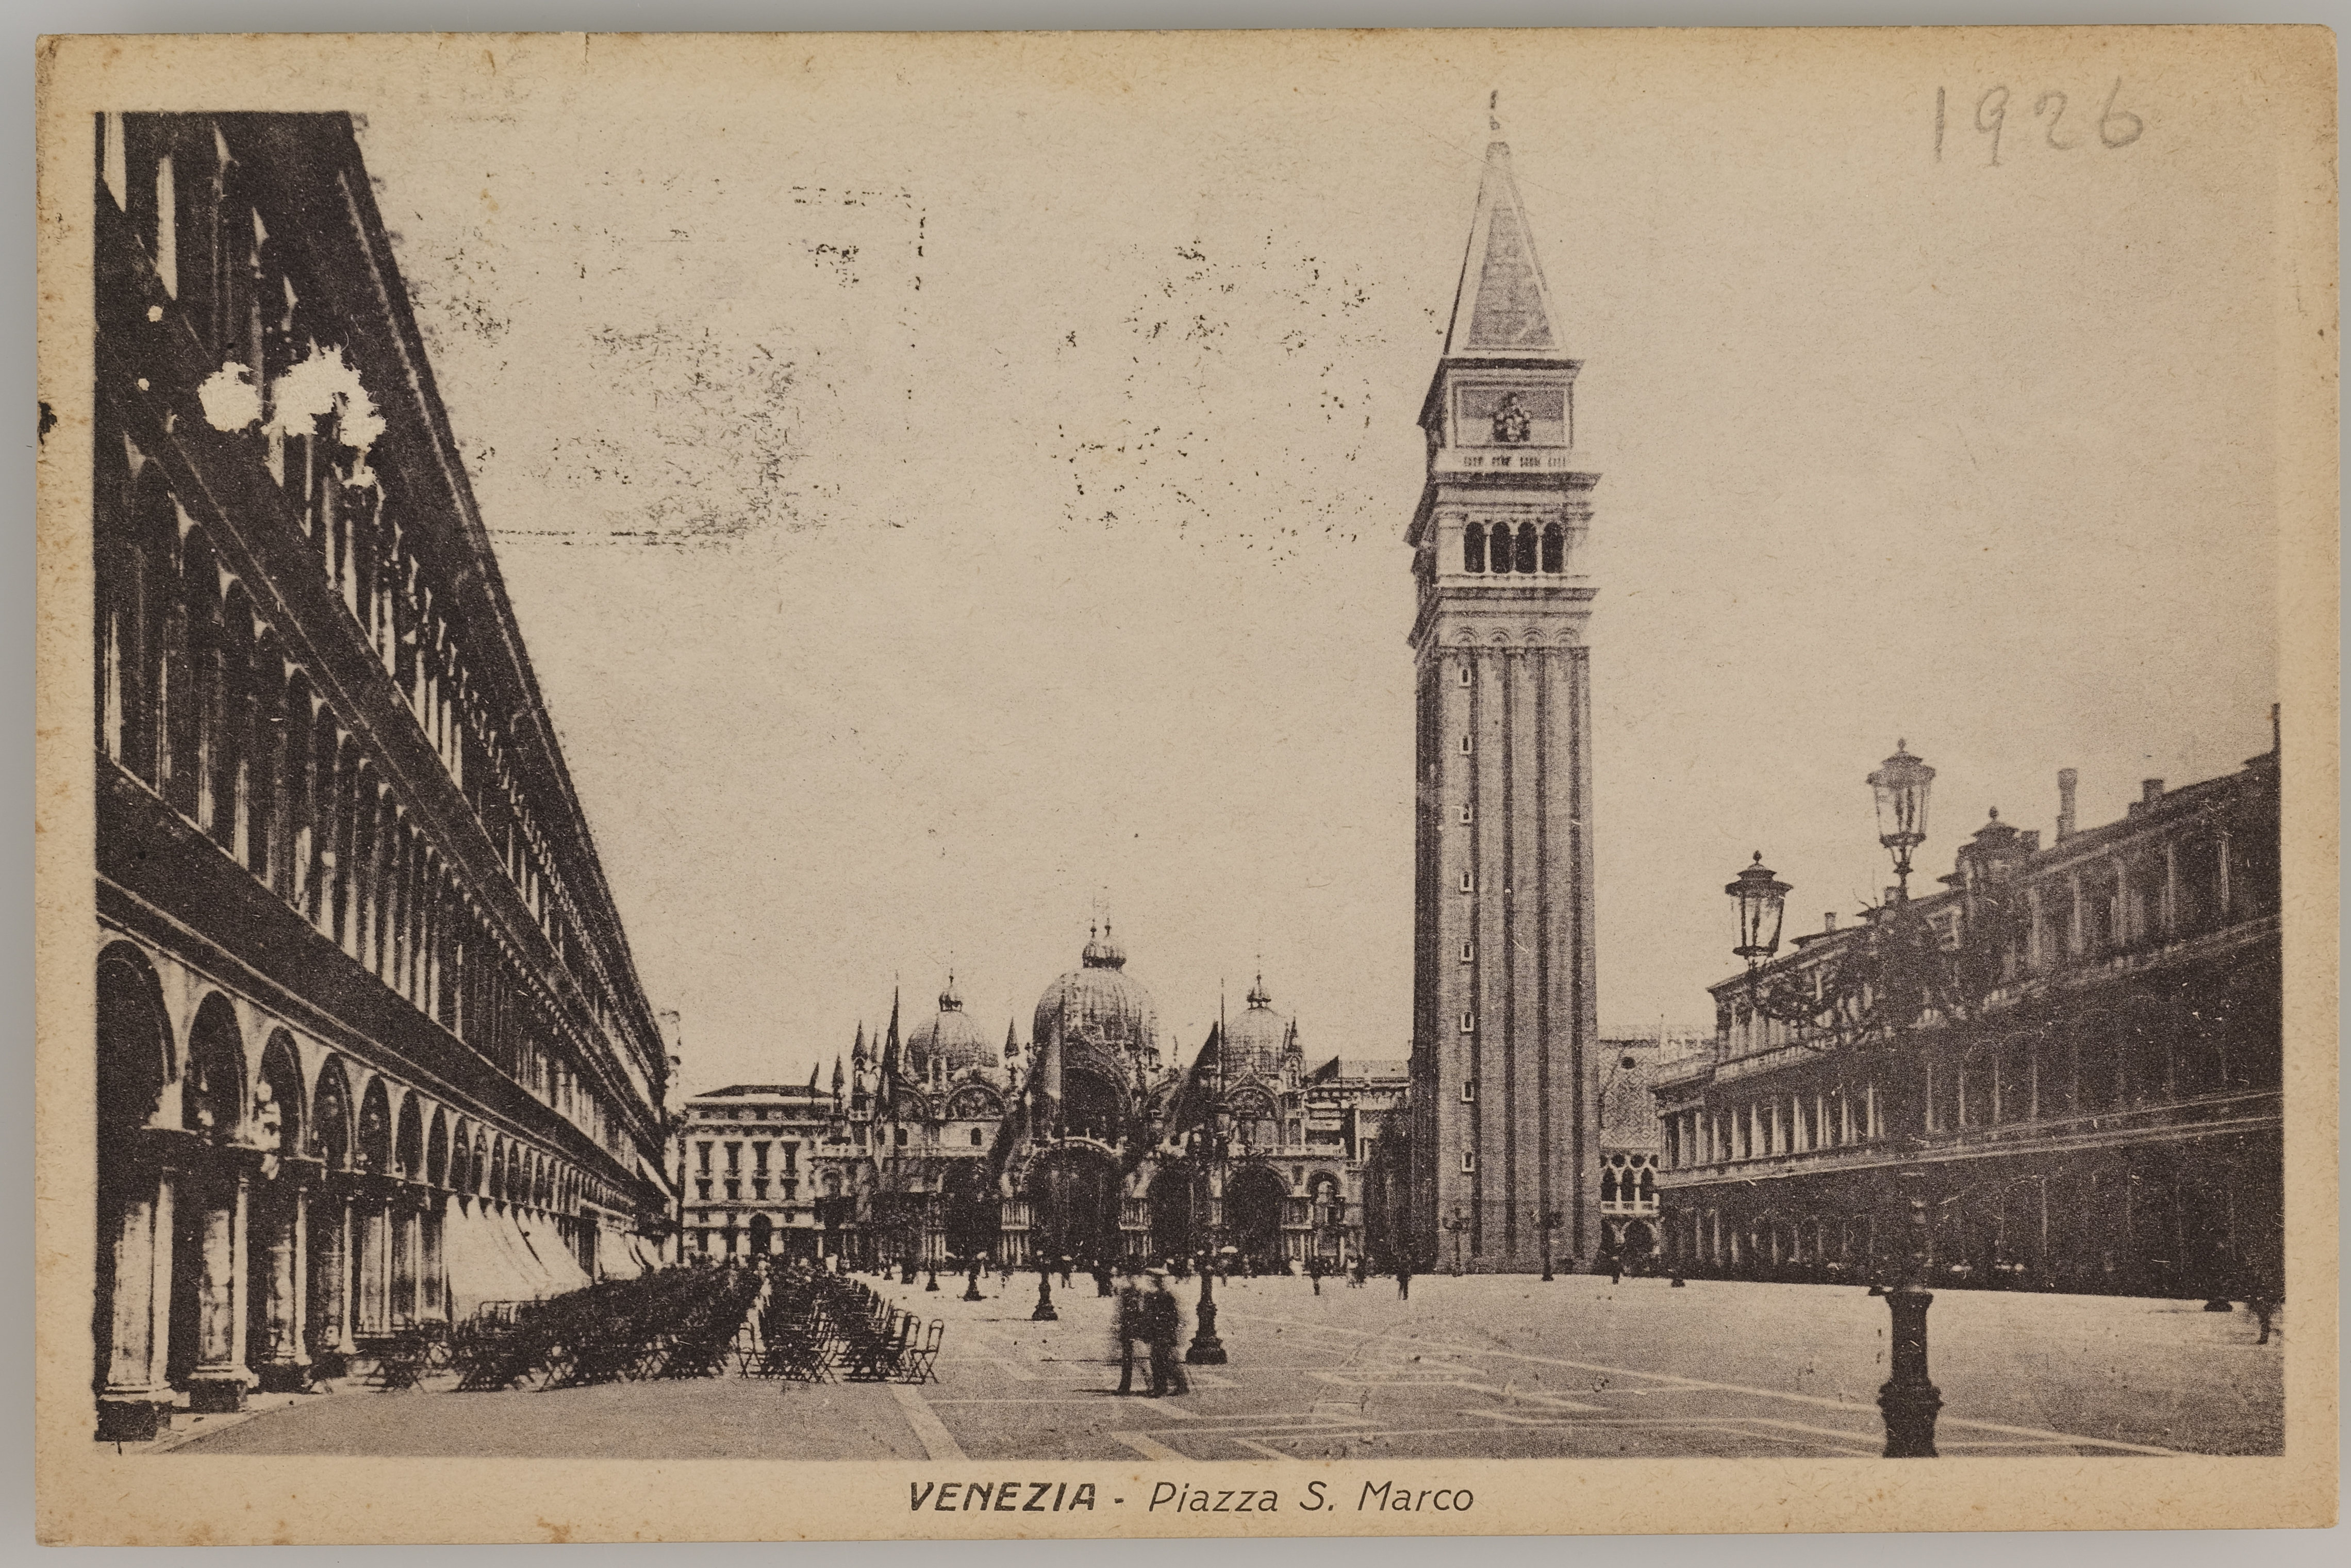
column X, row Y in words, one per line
column 381, row 1103
column 998, row 1496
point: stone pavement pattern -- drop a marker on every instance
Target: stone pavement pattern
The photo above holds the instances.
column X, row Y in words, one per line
column 1476, row 1367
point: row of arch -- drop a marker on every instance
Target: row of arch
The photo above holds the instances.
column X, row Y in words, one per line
column 2177, row 1219
column 1628, row 1186
column 1525, row 548
column 345, row 1117
column 2143, row 1053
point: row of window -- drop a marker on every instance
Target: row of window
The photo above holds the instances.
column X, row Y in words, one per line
column 237, row 289
column 1525, row 548
column 734, row 1156
column 242, row 297
column 2155, row 1057
column 732, row 1188
column 2203, row 878
column 210, row 713
column 749, row 1113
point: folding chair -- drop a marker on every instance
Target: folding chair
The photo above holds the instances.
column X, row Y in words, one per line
column 919, row 1363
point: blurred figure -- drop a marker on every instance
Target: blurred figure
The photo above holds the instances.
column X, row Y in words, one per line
column 1127, row 1324
column 2263, row 1296
column 1163, row 1326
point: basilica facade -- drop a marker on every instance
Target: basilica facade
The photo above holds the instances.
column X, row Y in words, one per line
column 934, row 1144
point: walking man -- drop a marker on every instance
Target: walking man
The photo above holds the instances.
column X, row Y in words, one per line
column 1163, row 1324
column 1129, row 1327
column 2262, row 1296
column 1404, row 1281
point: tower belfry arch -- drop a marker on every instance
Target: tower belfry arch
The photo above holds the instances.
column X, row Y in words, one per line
column 1505, row 1025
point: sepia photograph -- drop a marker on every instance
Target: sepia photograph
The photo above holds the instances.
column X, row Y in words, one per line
column 1132, row 780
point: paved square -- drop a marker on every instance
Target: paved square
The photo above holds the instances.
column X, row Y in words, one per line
column 1482, row 1366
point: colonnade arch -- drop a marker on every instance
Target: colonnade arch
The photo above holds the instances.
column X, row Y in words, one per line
column 264, row 1204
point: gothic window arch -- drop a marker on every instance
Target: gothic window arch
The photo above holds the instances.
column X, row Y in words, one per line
column 1473, row 548
column 279, row 1097
column 1555, row 548
column 1527, row 548
column 331, row 1119
column 212, row 1089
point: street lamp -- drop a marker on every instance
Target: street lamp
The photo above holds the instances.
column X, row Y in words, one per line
column 1901, row 784
column 1457, row 1224
column 1895, row 974
column 1209, row 1147
column 1762, row 900
column 1045, row 1313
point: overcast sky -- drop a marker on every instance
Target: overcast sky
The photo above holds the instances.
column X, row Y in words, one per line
column 946, row 498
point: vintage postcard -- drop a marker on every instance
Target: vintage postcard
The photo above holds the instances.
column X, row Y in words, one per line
column 1011, row 786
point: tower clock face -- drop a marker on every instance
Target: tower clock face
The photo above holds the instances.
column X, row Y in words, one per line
column 1512, row 425
column 1512, row 415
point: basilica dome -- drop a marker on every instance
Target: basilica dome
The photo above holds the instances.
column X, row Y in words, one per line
column 1254, row 1041
column 1099, row 1003
column 952, row 1039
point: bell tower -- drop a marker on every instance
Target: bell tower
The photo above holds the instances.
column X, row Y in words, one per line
column 1505, row 1032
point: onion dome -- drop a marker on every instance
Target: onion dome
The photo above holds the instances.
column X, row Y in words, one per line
column 1253, row 1042
column 1099, row 1002
column 952, row 1039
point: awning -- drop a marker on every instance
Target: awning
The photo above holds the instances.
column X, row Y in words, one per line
column 481, row 1264
column 615, row 1258
column 534, row 1265
column 545, row 1239
column 522, row 1263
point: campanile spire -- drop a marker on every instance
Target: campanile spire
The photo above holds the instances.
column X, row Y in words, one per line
column 1505, row 1027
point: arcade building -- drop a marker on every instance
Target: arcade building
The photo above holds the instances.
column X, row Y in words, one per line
column 371, row 1047
column 2094, row 1107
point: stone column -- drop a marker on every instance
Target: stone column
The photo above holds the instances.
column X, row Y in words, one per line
column 220, row 1380
column 283, row 1362
column 370, row 1261
column 401, row 1214
column 435, row 1276
column 332, row 1345
column 131, row 1408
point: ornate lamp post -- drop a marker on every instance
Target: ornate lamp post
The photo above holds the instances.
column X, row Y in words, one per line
column 1890, row 979
column 1908, row 1399
column 1209, row 1147
column 1044, row 1312
column 1457, row 1224
column 1901, row 784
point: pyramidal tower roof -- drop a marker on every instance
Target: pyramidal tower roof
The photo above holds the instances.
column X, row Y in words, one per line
column 1502, row 309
